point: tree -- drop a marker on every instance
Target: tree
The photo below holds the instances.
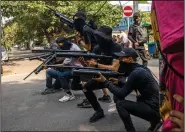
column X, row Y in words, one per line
column 33, row 21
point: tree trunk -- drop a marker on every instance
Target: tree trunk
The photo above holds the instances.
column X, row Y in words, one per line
column 27, row 45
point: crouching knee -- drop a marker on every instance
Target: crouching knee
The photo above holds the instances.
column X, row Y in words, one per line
column 49, row 71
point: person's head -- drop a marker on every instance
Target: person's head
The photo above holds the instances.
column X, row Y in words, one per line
column 63, row 43
column 127, row 57
column 114, row 37
column 103, row 36
column 136, row 17
column 79, row 21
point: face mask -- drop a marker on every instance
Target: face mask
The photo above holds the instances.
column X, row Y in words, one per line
column 103, row 43
column 66, row 45
column 125, row 68
column 79, row 24
column 137, row 21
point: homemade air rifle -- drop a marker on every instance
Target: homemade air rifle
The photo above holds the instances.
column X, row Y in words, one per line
column 62, row 18
column 95, row 73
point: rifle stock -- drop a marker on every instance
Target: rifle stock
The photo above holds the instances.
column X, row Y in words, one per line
column 95, row 73
column 40, row 67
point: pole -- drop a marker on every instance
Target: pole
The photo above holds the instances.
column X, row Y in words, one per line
column 128, row 22
column 135, row 6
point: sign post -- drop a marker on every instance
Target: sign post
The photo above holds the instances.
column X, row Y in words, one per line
column 127, row 12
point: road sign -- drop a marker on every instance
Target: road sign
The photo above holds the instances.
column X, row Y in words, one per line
column 127, row 11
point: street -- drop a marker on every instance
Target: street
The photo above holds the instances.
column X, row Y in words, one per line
column 25, row 109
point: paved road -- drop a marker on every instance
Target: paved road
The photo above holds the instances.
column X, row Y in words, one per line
column 24, row 109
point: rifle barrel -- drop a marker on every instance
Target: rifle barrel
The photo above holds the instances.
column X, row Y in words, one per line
column 74, row 67
column 87, row 55
column 95, row 73
column 51, row 50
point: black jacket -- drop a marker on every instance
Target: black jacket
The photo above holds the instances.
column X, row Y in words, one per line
column 142, row 80
column 113, row 48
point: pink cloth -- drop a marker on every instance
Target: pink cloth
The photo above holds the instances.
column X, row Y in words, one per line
column 170, row 17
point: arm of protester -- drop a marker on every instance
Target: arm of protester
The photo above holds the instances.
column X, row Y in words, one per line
column 117, row 91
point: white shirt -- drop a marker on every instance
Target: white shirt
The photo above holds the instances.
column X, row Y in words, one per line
column 72, row 61
column 124, row 38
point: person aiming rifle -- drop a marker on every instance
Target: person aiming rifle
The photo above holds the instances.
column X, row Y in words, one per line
column 62, row 77
column 105, row 47
column 140, row 79
column 85, row 31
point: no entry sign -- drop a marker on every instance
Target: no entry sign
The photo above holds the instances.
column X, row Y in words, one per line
column 127, row 11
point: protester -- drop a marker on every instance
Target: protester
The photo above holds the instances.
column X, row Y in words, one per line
column 118, row 40
column 124, row 40
column 62, row 77
column 89, row 42
column 139, row 79
column 114, row 38
column 85, row 33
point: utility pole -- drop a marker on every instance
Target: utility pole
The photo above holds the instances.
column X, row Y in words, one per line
column 135, row 6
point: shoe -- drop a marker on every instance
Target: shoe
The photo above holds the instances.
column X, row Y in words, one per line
column 155, row 126
column 85, row 104
column 97, row 115
column 67, row 97
column 48, row 91
column 106, row 99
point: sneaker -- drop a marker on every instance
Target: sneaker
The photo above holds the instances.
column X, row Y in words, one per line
column 85, row 104
column 48, row 91
column 97, row 115
column 106, row 99
column 67, row 97
column 155, row 126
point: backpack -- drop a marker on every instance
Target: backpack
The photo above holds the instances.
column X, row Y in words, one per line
column 140, row 34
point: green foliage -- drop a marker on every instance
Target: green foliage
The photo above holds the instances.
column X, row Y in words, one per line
column 142, row 2
column 33, row 21
column 145, row 17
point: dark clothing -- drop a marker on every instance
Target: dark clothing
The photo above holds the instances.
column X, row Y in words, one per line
column 114, row 47
column 89, row 38
column 142, row 54
column 135, row 35
column 141, row 79
column 139, row 109
column 62, row 79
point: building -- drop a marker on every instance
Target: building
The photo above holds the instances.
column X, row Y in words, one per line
column 123, row 25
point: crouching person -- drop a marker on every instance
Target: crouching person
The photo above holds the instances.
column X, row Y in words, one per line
column 62, row 78
column 141, row 80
